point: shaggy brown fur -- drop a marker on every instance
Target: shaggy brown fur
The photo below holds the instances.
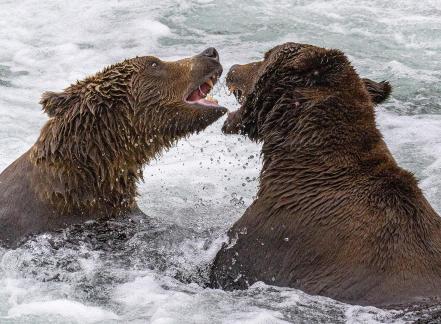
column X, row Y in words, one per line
column 334, row 215
column 102, row 130
column 241, row 79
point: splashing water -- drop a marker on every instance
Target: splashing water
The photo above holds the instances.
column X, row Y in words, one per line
column 155, row 270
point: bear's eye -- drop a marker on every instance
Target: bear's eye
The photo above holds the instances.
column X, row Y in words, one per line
column 155, row 68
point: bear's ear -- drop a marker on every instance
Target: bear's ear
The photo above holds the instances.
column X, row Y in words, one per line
column 53, row 102
column 378, row 91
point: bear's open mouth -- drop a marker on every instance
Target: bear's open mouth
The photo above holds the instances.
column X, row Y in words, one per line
column 237, row 92
column 201, row 96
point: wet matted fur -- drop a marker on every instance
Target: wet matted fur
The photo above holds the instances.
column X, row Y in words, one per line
column 89, row 156
column 334, row 214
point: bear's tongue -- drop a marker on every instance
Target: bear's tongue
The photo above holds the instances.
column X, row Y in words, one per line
column 199, row 95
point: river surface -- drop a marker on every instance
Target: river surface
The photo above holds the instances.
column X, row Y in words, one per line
column 154, row 270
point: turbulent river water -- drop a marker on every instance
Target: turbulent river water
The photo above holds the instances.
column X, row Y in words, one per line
column 153, row 271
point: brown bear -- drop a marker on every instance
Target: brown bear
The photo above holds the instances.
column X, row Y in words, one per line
column 334, row 214
column 89, row 156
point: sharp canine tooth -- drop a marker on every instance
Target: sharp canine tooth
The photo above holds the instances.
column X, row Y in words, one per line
column 211, row 98
column 210, row 83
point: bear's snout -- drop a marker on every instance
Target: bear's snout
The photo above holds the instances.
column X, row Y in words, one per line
column 212, row 53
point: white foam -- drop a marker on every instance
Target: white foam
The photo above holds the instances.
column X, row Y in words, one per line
column 134, row 294
column 263, row 317
column 66, row 308
column 415, row 142
column 206, row 182
column 370, row 315
column 401, row 70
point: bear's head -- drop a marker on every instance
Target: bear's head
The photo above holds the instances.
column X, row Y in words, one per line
column 104, row 128
column 290, row 66
column 144, row 94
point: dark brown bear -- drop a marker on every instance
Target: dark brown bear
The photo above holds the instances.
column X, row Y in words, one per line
column 102, row 130
column 334, row 215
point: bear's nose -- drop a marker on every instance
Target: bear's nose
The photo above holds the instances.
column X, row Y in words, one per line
column 211, row 52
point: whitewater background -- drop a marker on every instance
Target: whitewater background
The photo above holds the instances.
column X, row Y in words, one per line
column 153, row 271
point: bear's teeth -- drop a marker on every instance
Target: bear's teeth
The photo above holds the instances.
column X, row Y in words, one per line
column 202, row 92
column 210, row 83
column 211, row 98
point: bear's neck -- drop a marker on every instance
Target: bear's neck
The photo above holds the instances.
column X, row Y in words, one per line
column 321, row 143
column 95, row 174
